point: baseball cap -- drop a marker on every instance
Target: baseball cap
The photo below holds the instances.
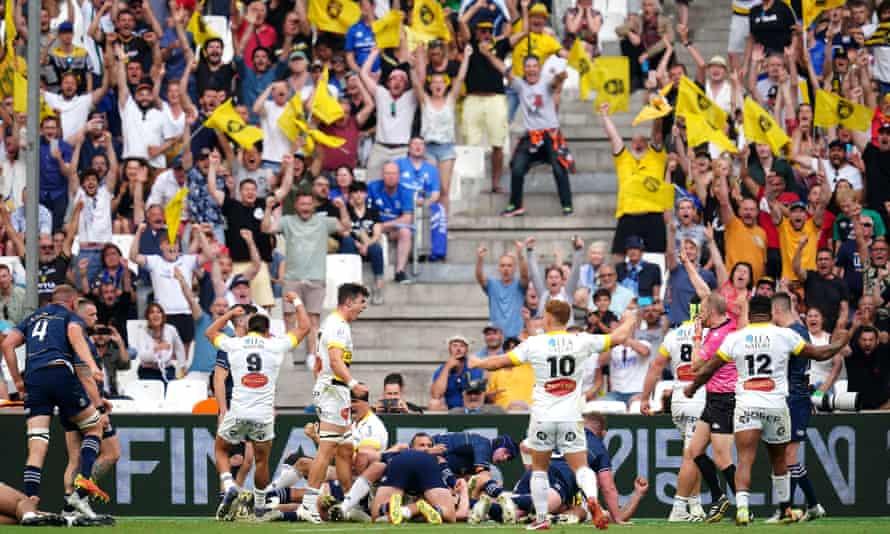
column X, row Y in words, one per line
column 297, row 54
column 66, row 27
column 539, row 9
column 485, row 24
column 353, row 396
column 798, row 205
column 489, row 327
column 476, row 386
column 457, row 337
column 634, row 241
column 238, row 280
column 718, row 60
column 837, row 143
column 767, row 280
column 145, row 83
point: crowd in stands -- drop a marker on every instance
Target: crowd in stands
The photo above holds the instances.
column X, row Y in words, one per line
column 195, row 156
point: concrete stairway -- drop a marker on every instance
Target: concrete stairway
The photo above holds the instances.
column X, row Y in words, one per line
column 407, row 334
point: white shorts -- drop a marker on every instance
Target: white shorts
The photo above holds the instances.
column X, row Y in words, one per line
column 773, row 423
column 549, row 435
column 234, row 430
column 684, row 415
column 739, row 28
column 332, row 404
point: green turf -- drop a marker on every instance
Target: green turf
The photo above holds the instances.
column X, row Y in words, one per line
column 149, row 525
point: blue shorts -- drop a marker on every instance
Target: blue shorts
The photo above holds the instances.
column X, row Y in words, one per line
column 415, row 472
column 54, row 387
column 439, row 152
column 561, row 478
column 800, row 409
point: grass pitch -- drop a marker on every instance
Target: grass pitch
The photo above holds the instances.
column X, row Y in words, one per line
column 151, row 525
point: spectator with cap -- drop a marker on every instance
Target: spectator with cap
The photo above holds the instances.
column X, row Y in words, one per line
column 836, row 168
column 396, row 104
column 392, row 401
column 798, row 234
column 765, row 287
column 506, row 293
column 70, row 58
column 638, row 275
column 493, row 337
column 395, row 202
column 239, row 294
column 474, row 401
column 452, row 377
column 485, row 106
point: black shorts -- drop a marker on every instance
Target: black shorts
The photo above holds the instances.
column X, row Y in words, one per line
column 719, row 408
column 54, row 387
column 800, row 408
column 185, row 325
column 414, row 472
column 648, row 226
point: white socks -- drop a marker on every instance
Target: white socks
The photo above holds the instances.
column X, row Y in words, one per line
column 741, row 499
column 259, row 499
column 680, row 503
column 227, row 481
column 310, row 499
column 540, row 487
column 586, row 479
column 782, row 487
column 287, row 479
column 360, row 488
column 406, row 513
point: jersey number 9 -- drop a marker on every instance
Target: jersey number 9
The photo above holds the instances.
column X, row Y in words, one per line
column 254, row 363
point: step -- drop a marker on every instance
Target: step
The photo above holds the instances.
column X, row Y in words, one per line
column 416, row 333
column 295, row 382
column 462, row 249
column 545, row 204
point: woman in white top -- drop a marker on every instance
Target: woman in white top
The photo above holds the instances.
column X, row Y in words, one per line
column 178, row 109
column 159, row 349
column 438, row 115
column 822, row 374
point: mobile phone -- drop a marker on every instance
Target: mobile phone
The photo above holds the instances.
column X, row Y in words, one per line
column 53, row 144
column 645, row 301
column 644, row 66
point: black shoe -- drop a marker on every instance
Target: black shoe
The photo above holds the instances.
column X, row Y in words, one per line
column 400, row 277
column 718, row 510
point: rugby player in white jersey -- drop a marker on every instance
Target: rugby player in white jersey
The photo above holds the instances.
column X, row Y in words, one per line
column 677, row 349
column 332, row 396
column 557, row 359
column 761, row 351
column 254, row 363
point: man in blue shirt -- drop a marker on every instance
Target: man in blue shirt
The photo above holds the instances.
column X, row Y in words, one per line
column 418, row 174
column 395, row 202
column 506, row 294
column 679, row 284
column 55, row 156
column 452, row 377
column 360, row 39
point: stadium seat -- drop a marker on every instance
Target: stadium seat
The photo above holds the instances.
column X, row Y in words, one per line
column 655, row 404
column 124, row 406
column 840, row 386
column 15, row 266
column 604, row 406
column 183, row 394
column 341, row 268
column 147, row 394
column 634, row 408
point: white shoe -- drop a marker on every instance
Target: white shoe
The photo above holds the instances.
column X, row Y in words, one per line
column 310, row 516
column 679, row 516
column 566, row 519
column 479, row 512
column 508, row 509
column 81, row 505
column 774, row 519
column 224, row 512
column 357, row 515
column 814, row 512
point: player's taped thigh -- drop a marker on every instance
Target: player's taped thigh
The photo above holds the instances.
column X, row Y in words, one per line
column 89, row 422
column 335, row 437
column 39, row 434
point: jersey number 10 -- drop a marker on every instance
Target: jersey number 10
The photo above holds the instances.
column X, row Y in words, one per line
column 564, row 366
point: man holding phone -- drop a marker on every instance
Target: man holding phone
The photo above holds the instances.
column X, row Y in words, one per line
column 638, row 275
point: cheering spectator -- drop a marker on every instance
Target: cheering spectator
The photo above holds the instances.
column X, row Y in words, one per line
column 506, row 294
column 395, row 202
column 55, row 168
column 868, row 369
column 823, row 289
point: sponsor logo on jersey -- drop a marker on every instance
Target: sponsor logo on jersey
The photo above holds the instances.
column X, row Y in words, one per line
column 685, row 373
column 560, row 387
column 254, row 380
column 759, row 384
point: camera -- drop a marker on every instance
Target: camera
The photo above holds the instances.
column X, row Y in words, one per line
column 847, row 401
column 102, row 331
column 390, row 405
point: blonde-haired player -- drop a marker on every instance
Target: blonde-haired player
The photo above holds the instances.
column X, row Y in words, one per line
column 557, row 358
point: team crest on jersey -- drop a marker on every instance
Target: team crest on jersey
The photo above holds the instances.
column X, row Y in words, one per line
column 344, row 414
column 560, row 387
column 760, row 384
column 254, row 380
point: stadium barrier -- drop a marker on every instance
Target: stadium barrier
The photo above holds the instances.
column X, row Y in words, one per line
column 166, row 466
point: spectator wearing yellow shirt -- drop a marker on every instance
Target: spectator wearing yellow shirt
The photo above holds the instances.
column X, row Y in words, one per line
column 511, row 387
column 645, row 193
column 538, row 43
column 793, row 224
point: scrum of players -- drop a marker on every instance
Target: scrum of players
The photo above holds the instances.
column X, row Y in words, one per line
column 749, row 363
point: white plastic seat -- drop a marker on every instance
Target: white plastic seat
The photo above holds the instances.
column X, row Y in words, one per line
column 183, row 394
column 605, row 406
column 634, row 407
column 341, row 268
column 147, row 394
column 840, row 386
column 124, row 406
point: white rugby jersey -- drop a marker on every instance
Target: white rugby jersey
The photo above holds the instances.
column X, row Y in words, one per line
column 254, row 363
column 557, row 359
column 334, row 333
column 761, row 352
column 370, row 432
column 677, row 346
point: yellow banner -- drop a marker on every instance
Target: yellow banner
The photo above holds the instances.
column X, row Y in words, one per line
column 580, row 61
column 760, row 127
column 200, row 31
column 832, row 109
column 691, row 100
column 428, row 21
column 388, row 30
column 173, row 213
column 335, row 16
column 655, row 109
column 227, row 120
column 325, row 106
column 611, row 79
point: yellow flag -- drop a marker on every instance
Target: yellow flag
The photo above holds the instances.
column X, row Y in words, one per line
column 227, row 120
column 691, row 100
column 832, row 109
column 581, row 62
column 324, row 106
column 388, row 29
column 428, row 21
column 20, row 98
column 656, row 108
column 813, row 8
column 698, row 132
column 611, row 80
column 9, row 27
column 293, row 112
column 173, row 213
column 761, row 128
column 335, row 16
column 199, row 29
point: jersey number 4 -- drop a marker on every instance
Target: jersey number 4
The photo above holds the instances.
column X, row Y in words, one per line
column 254, row 363
column 564, row 366
column 40, row 328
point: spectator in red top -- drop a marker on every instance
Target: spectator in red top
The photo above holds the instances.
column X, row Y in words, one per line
column 253, row 31
column 347, row 128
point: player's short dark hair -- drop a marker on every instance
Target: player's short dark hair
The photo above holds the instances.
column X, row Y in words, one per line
column 258, row 323
column 760, row 305
column 63, row 293
column 350, row 291
column 419, row 435
column 782, row 301
column 561, row 311
column 394, row 378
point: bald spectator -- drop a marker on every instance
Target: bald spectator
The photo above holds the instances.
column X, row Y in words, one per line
column 506, row 293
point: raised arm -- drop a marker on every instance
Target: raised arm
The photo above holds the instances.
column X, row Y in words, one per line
column 218, row 196
column 800, row 272
column 523, row 264
column 610, row 129
column 480, row 267
column 134, row 255
column 187, row 293
column 365, row 72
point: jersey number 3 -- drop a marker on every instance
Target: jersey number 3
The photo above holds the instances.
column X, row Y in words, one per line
column 254, row 363
column 564, row 366
column 39, row 330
